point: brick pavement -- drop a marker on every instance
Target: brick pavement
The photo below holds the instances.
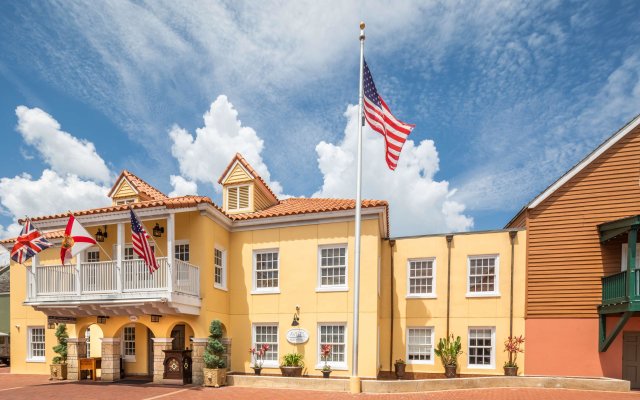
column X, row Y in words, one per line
column 38, row 387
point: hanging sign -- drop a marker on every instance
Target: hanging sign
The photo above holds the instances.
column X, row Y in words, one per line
column 297, row 336
column 60, row 320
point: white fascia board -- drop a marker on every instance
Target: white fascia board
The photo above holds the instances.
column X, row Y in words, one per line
column 606, row 145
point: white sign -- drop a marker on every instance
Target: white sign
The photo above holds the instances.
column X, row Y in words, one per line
column 297, row 336
column 133, row 318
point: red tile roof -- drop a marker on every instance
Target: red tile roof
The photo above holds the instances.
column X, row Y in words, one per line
column 140, row 185
column 59, row 234
column 238, row 157
column 295, row 206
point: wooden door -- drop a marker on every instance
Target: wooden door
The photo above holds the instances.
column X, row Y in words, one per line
column 631, row 358
column 178, row 337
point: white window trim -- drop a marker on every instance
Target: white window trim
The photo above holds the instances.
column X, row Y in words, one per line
column 421, row 362
column 129, row 359
column 224, row 286
column 431, row 295
column 496, row 281
column 623, row 259
column 333, row 288
column 125, row 200
column 89, row 250
column 267, row 363
column 493, row 348
column 255, row 290
column 180, row 242
column 336, row 366
column 30, row 358
column 250, row 202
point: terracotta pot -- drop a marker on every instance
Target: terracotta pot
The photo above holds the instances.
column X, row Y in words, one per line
column 510, row 371
column 215, row 377
column 450, row 371
column 257, row 371
column 58, row 372
column 291, row 371
column 399, row 368
column 326, row 373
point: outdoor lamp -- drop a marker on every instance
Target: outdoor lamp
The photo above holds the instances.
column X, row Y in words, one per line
column 158, row 230
column 100, row 236
column 102, row 319
column 295, row 317
column 155, row 318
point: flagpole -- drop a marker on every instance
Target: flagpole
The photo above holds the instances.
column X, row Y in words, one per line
column 356, row 291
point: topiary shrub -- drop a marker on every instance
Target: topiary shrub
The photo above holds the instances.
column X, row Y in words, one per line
column 61, row 347
column 214, row 350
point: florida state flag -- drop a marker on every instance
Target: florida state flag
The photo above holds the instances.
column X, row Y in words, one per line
column 76, row 239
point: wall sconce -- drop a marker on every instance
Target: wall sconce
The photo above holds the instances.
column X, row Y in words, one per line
column 102, row 319
column 158, row 230
column 155, row 318
column 51, row 325
column 296, row 318
column 100, row 236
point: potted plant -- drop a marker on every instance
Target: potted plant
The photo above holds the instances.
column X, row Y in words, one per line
column 513, row 345
column 448, row 350
column 258, row 357
column 399, row 367
column 215, row 373
column 325, row 353
column 292, row 365
column 59, row 362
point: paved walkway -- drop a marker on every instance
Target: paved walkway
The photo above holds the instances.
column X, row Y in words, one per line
column 40, row 388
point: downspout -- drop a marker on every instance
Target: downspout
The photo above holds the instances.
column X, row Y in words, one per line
column 392, row 244
column 449, row 240
column 512, row 238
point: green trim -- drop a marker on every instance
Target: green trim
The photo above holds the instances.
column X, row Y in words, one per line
column 605, row 341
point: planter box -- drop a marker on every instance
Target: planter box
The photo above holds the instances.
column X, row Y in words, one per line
column 291, row 372
column 214, row 377
column 58, row 372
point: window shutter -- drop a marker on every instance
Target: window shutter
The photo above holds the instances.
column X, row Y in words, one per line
column 244, row 197
column 232, row 198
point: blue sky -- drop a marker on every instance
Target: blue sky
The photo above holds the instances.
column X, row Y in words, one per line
column 506, row 96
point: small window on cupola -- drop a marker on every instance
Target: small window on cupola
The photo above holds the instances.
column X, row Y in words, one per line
column 238, row 198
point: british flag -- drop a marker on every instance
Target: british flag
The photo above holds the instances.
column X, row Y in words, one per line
column 28, row 244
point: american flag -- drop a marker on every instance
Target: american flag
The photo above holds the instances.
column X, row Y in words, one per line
column 380, row 119
column 29, row 243
column 141, row 246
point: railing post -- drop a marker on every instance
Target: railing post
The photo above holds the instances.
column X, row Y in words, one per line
column 78, row 274
column 631, row 261
column 31, row 277
column 120, row 255
column 171, row 231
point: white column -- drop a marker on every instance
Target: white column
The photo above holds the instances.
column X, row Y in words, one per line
column 120, row 254
column 31, row 277
column 171, row 232
column 78, row 274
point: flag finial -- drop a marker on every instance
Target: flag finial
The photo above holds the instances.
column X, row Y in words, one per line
column 362, row 25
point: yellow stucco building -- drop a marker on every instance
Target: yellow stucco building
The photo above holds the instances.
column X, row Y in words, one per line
column 256, row 264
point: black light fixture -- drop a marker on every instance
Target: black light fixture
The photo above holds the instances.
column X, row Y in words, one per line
column 158, row 230
column 102, row 319
column 296, row 318
column 100, row 236
column 155, row 318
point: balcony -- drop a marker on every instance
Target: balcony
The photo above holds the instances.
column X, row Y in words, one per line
column 115, row 288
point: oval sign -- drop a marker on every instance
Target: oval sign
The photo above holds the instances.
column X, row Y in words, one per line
column 297, row 336
column 133, row 318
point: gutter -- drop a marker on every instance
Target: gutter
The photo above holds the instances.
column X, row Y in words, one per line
column 449, row 241
column 512, row 238
column 392, row 244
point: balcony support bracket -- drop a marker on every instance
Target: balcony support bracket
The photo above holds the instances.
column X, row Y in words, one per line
column 605, row 341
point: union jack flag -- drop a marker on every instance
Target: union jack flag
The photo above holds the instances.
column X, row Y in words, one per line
column 28, row 244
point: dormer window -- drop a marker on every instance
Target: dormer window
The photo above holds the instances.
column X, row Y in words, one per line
column 238, row 198
column 121, row 202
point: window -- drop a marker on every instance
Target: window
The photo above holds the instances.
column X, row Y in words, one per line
column 481, row 347
column 129, row 342
column 87, row 336
column 267, row 334
column 420, row 345
column 332, row 267
column 128, row 253
column 336, row 336
column 421, row 277
column 482, row 276
column 36, row 343
column 238, row 198
column 220, row 268
column 93, row 256
column 266, row 271
column 125, row 201
column 182, row 251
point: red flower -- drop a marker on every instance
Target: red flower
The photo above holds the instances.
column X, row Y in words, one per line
column 265, row 348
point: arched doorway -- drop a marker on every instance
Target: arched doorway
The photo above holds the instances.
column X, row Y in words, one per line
column 136, row 352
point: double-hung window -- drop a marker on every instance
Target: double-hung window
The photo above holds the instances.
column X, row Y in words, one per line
column 421, row 277
column 482, row 276
column 420, row 345
column 182, row 253
column 93, row 256
column 482, row 347
column 35, row 343
column 332, row 268
column 334, row 335
column 267, row 333
column 129, row 343
column 266, row 271
column 87, row 336
column 219, row 268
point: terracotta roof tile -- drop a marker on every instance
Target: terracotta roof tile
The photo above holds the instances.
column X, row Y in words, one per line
column 295, row 206
column 140, row 185
column 59, row 234
column 249, row 168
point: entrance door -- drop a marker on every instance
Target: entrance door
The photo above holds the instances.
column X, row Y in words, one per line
column 177, row 333
column 631, row 358
column 150, row 336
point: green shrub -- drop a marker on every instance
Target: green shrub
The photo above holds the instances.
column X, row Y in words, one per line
column 292, row 360
column 214, row 350
column 448, row 350
column 61, row 348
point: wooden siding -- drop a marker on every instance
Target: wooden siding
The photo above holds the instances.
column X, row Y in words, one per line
column 565, row 260
column 237, row 175
column 260, row 199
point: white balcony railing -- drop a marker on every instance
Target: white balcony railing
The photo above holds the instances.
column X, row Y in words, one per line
column 103, row 278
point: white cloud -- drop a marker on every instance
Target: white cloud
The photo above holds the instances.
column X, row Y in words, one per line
column 65, row 154
column 204, row 157
column 418, row 203
column 182, row 187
